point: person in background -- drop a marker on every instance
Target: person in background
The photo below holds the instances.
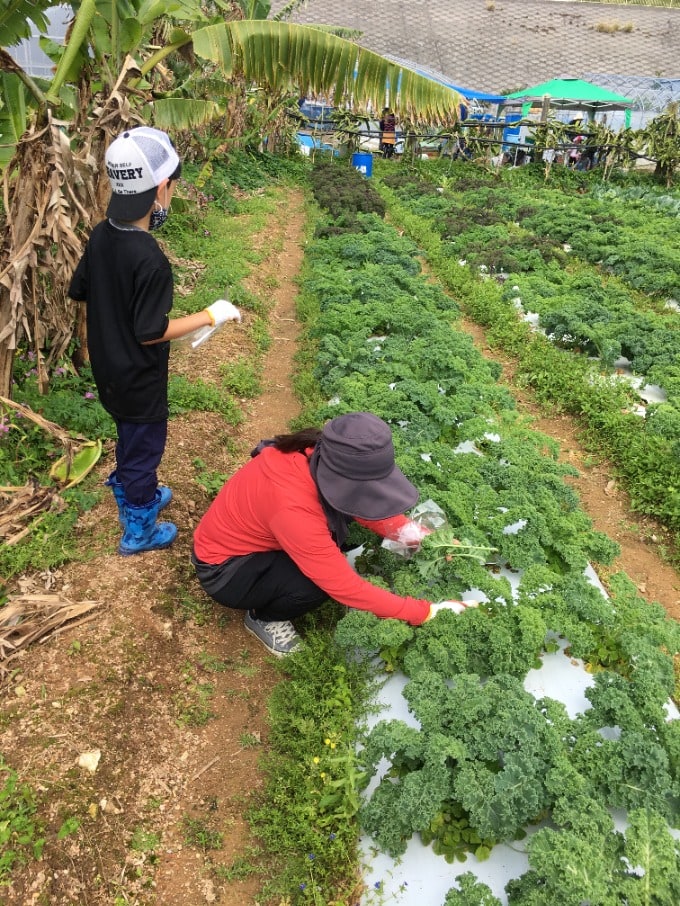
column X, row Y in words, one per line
column 126, row 282
column 388, row 133
column 575, row 152
column 270, row 543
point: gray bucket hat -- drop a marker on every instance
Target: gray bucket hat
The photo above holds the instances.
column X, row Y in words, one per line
column 356, row 472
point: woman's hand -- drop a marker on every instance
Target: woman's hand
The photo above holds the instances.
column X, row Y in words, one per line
column 455, row 606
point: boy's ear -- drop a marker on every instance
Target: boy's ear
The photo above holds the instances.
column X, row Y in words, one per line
column 160, row 187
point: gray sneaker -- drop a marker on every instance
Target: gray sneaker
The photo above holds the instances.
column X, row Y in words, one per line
column 278, row 636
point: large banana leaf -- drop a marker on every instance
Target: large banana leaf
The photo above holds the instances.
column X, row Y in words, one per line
column 13, row 115
column 16, row 17
column 284, row 57
column 183, row 113
column 187, row 10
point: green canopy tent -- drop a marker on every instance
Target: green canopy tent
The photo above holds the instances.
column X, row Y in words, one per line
column 570, row 94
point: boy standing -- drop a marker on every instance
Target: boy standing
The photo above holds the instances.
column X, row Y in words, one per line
column 126, row 282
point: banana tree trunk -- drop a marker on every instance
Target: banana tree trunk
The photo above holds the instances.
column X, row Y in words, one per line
column 6, row 352
column 50, row 198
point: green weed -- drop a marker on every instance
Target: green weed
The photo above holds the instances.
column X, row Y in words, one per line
column 21, row 833
column 51, row 541
column 306, row 814
column 187, row 607
column 198, row 396
column 241, row 868
column 242, row 378
column 210, row 480
column 260, row 334
column 71, row 403
column 144, row 841
column 211, row 663
column 199, row 833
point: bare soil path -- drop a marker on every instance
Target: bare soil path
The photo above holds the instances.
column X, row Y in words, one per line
column 136, row 684
column 177, row 759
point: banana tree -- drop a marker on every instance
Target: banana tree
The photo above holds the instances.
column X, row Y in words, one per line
column 53, row 186
column 616, row 149
column 548, row 136
column 17, row 18
column 661, row 138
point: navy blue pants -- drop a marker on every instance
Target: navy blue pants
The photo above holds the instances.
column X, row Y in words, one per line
column 139, row 451
column 269, row 584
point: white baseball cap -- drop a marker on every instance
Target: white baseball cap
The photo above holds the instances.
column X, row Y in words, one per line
column 136, row 163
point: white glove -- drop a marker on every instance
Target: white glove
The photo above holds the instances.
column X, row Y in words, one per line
column 455, row 606
column 222, row 311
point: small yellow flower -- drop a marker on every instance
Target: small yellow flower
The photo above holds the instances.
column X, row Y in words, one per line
column 316, row 759
column 332, row 745
column 327, row 741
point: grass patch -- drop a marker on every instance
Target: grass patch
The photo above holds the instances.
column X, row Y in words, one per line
column 199, row 833
column 210, row 480
column 305, row 817
column 21, row 833
column 243, row 378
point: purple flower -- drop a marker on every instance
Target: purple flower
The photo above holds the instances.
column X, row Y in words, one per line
column 331, row 836
column 378, row 885
column 303, row 886
column 88, row 395
column 311, row 857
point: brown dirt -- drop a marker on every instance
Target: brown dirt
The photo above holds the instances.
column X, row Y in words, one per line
column 123, row 682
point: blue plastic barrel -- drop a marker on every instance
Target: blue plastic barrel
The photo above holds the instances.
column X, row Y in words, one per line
column 363, row 163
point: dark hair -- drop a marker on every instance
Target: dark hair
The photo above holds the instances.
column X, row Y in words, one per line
column 297, row 442
column 177, row 173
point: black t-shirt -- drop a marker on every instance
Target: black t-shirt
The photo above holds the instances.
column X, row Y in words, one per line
column 126, row 281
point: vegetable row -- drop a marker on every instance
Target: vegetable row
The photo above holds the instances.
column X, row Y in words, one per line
column 582, row 308
column 489, row 759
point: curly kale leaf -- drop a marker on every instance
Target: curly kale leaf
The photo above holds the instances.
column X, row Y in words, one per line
column 602, row 867
column 402, row 745
column 470, row 892
column 506, row 747
column 502, row 639
column 411, row 794
column 442, row 547
column 362, row 631
column 653, row 857
column 567, row 870
column 630, row 772
column 633, row 703
column 573, row 608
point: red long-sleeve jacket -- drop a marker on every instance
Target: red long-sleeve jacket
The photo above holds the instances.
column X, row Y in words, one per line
column 272, row 503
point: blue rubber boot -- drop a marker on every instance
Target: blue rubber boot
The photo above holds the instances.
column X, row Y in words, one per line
column 119, row 494
column 141, row 532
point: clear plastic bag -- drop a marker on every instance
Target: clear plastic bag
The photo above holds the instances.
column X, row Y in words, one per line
column 198, row 336
column 424, row 518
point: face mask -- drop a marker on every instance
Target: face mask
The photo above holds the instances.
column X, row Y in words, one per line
column 158, row 217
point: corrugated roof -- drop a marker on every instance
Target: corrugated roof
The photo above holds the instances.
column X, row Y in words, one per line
column 499, row 46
